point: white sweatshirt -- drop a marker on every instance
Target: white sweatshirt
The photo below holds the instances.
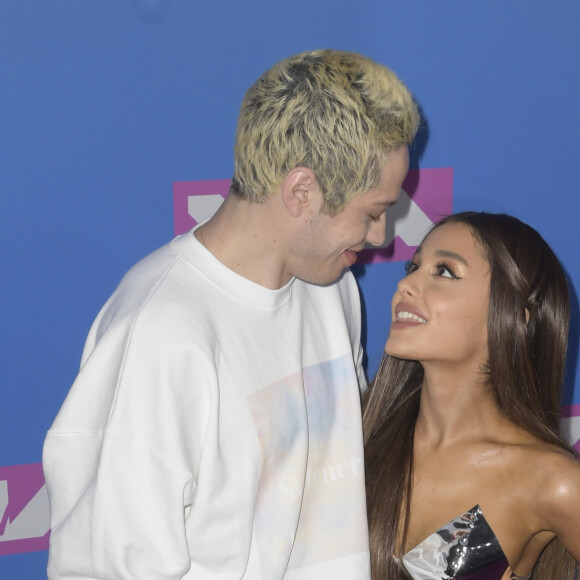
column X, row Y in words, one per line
column 213, row 431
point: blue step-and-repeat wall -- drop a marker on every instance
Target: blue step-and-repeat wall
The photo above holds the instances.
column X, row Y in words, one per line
column 116, row 128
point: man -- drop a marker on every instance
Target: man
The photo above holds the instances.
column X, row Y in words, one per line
column 214, row 428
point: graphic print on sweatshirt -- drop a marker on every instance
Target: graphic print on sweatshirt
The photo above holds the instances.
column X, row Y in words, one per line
column 309, row 430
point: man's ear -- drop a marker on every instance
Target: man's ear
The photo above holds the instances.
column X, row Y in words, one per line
column 300, row 190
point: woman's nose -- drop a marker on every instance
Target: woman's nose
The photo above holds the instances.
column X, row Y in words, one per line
column 408, row 285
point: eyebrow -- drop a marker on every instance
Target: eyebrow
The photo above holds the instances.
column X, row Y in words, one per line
column 446, row 254
column 383, row 204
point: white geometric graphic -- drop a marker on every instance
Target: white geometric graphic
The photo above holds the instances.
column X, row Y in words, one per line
column 32, row 522
column 406, row 220
column 3, row 498
column 571, row 429
column 202, row 207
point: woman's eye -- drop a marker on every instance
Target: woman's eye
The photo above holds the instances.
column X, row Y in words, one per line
column 410, row 267
column 445, row 271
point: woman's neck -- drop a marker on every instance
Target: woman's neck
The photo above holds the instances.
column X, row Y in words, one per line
column 456, row 406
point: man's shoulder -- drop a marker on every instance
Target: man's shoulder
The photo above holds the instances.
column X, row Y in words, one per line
column 159, row 286
column 151, row 267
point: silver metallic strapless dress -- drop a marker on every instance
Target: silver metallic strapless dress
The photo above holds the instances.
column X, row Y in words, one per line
column 464, row 549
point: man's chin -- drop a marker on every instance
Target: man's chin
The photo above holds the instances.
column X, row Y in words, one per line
column 324, row 279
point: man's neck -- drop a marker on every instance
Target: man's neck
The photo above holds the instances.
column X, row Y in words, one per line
column 250, row 239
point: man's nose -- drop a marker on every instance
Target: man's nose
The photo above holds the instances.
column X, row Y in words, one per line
column 377, row 232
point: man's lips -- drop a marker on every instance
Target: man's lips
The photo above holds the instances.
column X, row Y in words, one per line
column 351, row 256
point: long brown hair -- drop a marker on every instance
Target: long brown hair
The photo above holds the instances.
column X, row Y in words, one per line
column 528, row 324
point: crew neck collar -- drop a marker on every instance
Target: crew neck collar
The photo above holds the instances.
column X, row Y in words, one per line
column 251, row 294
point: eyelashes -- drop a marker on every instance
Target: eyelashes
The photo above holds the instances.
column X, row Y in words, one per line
column 410, row 267
column 442, row 269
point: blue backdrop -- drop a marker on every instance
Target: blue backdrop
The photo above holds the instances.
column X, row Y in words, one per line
column 105, row 105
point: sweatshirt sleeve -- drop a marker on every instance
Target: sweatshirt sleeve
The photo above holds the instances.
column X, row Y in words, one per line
column 117, row 509
column 122, row 457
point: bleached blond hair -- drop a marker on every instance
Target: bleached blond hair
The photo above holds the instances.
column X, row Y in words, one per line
column 338, row 113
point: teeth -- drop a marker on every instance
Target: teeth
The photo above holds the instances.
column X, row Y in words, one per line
column 410, row 316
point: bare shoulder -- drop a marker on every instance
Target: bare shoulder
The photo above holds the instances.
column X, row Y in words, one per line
column 556, row 493
column 558, row 497
column 546, row 474
column 548, row 467
column 559, row 475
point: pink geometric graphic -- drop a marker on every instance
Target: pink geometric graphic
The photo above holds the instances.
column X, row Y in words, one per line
column 188, row 212
column 24, row 510
column 426, row 197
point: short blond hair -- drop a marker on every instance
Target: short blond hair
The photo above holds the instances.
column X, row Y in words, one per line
column 338, row 113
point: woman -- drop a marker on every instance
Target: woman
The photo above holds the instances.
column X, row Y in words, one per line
column 467, row 474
